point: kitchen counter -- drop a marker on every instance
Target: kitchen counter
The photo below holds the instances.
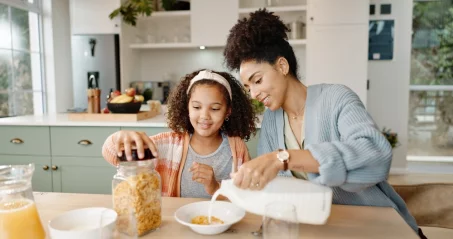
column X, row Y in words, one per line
column 62, row 120
column 344, row 221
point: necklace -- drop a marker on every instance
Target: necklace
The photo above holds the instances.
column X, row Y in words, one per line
column 298, row 115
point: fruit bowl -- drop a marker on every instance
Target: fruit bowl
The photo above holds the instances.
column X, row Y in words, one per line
column 124, row 108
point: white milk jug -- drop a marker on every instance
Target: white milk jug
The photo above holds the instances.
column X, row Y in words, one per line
column 312, row 201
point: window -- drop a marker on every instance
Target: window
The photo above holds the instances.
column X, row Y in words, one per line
column 21, row 76
column 431, row 89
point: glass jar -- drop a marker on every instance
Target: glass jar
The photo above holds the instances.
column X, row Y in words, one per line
column 136, row 189
column 17, row 203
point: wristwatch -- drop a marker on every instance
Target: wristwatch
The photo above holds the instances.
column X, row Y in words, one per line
column 283, row 156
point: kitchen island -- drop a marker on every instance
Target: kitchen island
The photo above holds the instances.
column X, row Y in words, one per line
column 344, row 222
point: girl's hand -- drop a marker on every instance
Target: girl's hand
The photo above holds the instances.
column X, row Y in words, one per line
column 128, row 139
column 256, row 173
column 204, row 174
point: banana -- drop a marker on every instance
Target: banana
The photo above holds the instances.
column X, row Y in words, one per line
column 139, row 98
column 122, row 99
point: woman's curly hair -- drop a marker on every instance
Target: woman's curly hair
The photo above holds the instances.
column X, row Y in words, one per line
column 241, row 121
column 261, row 37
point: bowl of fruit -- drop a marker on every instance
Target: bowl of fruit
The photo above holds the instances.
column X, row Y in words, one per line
column 127, row 103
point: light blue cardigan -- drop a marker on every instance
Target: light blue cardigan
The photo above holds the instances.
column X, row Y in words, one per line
column 353, row 155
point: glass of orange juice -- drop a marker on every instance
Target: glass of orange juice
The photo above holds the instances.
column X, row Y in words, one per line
column 19, row 217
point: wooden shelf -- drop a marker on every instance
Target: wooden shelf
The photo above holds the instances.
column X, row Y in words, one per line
column 275, row 9
column 298, row 42
column 163, row 46
column 163, row 14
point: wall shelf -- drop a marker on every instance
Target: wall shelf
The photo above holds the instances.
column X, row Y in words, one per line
column 298, row 42
column 165, row 14
column 275, row 9
column 162, row 46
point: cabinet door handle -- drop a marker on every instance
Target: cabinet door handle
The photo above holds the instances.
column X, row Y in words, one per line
column 45, row 167
column 16, row 141
column 54, row 167
column 84, row 142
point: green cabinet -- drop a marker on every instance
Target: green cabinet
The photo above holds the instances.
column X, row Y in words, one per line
column 42, row 177
column 24, row 140
column 79, row 140
column 252, row 144
column 82, row 175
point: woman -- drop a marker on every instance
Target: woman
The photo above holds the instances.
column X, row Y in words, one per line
column 320, row 133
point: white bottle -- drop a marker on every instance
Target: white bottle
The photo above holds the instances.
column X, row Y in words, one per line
column 312, row 201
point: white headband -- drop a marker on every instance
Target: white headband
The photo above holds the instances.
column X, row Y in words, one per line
column 209, row 75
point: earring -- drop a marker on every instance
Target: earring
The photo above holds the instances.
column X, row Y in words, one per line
column 226, row 119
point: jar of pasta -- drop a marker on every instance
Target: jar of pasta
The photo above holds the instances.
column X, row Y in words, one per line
column 136, row 189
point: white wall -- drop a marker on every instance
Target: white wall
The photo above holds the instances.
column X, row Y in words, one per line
column 57, row 54
column 388, row 96
column 155, row 64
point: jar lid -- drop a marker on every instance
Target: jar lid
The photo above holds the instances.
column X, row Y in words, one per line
column 148, row 155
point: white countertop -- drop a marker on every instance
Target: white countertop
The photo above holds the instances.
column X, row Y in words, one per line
column 62, row 120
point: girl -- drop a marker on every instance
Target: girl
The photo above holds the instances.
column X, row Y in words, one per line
column 320, row 133
column 210, row 115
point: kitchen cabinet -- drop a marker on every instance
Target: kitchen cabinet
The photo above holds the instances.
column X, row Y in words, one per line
column 337, row 44
column 343, row 61
column 24, row 140
column 92, row 17
column 82, row 175
column 67, row 159
column 42, row 177
column 334, row 12
column 252, row 145
column 211, row 21
column 79, row 140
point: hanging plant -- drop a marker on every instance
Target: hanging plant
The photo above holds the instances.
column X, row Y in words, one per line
column 131, row 9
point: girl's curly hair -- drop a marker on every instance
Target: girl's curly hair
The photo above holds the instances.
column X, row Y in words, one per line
column 261, row 37
column 241, row 121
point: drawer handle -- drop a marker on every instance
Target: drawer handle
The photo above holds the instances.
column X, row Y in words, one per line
column 46, row 167
column 16, row 141
column 54, row 167
column 85, row 142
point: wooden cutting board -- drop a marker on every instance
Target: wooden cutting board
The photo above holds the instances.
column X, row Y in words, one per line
column 142, row 115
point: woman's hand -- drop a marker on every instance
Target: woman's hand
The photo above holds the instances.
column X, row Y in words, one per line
column 204, row 174
column 256, row 173
column 128, row 139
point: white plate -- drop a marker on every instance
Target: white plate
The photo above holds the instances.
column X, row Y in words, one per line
column 225, row 211
column 83, row 223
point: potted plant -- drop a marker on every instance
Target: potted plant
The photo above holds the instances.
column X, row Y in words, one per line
column 392, row 137
column 258, row 106
column 131, row 9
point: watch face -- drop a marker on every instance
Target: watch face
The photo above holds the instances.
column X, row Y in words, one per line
column 283, row 155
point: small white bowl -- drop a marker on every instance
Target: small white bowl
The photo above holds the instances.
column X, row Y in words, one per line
column 225, row 211
column 83, row 223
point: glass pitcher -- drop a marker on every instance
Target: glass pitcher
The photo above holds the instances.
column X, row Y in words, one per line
column 18, row 214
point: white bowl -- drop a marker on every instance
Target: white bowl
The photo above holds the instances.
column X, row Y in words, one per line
column 83, row 223
column 225, row 211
